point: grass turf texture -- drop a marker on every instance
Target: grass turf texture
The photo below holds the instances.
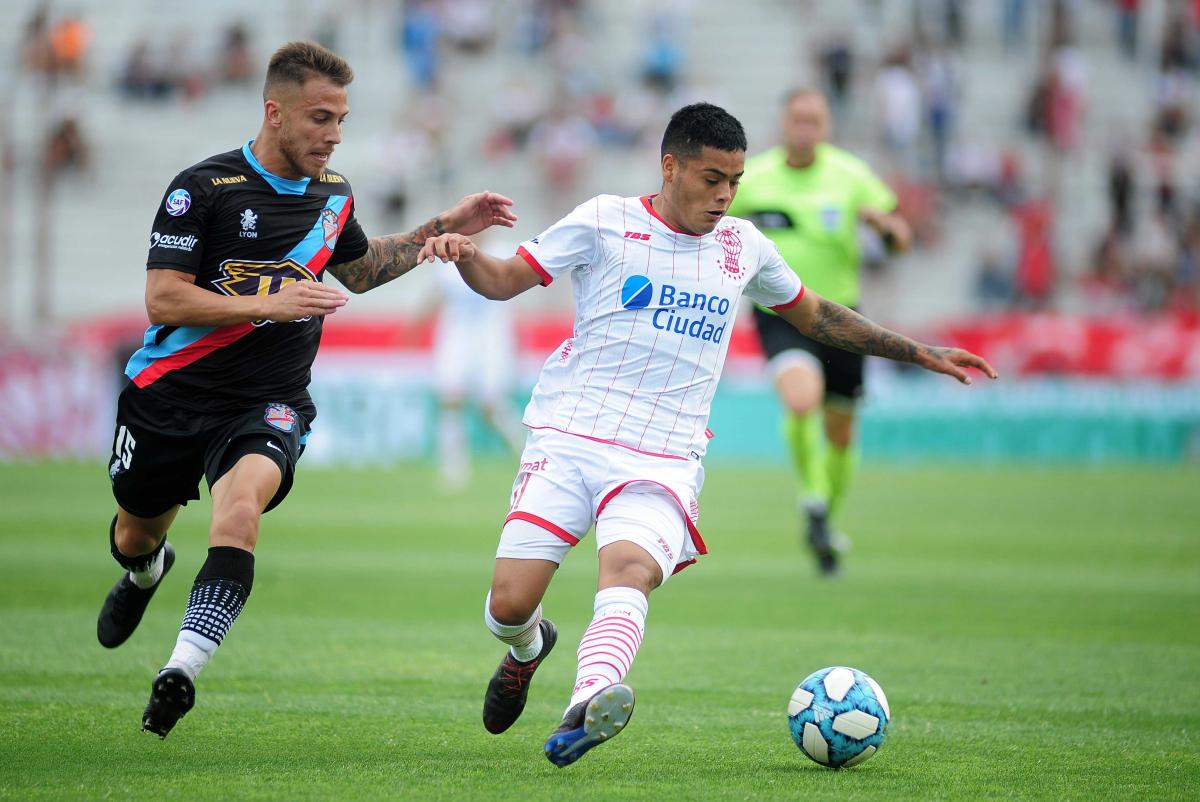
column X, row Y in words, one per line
column 1036, row 632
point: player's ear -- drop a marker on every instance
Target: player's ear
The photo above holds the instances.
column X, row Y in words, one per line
column 274, row 112
column 670, row 165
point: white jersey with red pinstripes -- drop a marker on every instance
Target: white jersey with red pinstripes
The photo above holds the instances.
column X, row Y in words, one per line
column 654, row 312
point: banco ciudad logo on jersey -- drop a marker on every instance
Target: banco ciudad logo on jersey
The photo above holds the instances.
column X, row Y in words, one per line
column 178, row 202
column 699, row 315
column 636, row 292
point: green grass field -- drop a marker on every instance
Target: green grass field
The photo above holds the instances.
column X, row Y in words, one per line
column 1037, row 632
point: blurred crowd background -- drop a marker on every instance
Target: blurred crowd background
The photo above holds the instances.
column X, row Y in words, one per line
column 1045, row 151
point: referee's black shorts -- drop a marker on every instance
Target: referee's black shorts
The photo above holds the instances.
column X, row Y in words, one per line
column 160, row 451
column 843, row 370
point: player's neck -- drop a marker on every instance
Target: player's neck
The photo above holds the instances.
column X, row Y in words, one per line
column 271, row 158
column 665, row 210
column 800, row 159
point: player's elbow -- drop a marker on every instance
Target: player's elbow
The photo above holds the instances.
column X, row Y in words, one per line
column 157, row 312
column 161, row 311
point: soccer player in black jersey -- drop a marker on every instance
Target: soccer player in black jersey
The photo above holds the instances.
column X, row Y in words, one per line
column 236, row 301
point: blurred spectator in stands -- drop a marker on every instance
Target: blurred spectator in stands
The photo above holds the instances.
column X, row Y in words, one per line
column 515, row 109
column 469, row 25
column 413, row 155
column 662, row 57
column 37, row 53
column 940, row 91
column 1127, row 13
column 1174, row 84
column 1121, row 191
column 65, row 149
column 1054, row 110
column 190, row 74
column 1062, row 23
column 1187, row 296
column 994, row 278
column 562, row 143
column 899, row 107
column 69, row 40
column 836, row 64
column 572, row 63
column 235, row 62
column 1162, row 152
column 1105, row 287
column 1036, row 271
column 55, row 47
column 620, row 118
column 1156, row 255
column 942, row 21
column 146, row 73
column 406, row 152
column 420, row 41
column 1012, row 23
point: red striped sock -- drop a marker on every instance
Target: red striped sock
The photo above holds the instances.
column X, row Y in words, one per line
column 611, row 642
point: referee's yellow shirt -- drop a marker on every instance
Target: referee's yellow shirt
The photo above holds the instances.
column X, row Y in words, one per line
column 811, row 213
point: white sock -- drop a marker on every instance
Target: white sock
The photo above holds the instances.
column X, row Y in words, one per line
column 148, row 577
column 524, row 640
column 611, row 641
column 192, row 653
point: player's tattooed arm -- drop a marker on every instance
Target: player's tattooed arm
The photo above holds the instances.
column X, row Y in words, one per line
column 386, row 258
column 844, row 328
column 396, row 254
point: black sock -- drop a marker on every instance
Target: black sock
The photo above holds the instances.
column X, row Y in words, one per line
column 219, row 593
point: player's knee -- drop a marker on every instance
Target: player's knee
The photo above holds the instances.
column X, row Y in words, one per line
column 802, row 397
column 643, row 576
column 508, row 606
column 133, row 540
column 236, row 524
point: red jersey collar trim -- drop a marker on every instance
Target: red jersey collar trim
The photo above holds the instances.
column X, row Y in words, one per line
column 646, row 201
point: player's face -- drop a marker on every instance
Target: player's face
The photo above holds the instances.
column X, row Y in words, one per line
column 805, row 123
column 310, row 120
column 699, row 190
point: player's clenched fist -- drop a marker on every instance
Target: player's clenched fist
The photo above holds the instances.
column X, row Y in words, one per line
column 448, row 248
column 303, row 299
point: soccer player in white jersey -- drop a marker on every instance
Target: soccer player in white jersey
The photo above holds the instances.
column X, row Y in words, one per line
column 618, row 419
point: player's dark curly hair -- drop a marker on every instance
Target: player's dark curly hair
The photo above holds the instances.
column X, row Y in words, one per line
column 702, row 125
column 296, row 62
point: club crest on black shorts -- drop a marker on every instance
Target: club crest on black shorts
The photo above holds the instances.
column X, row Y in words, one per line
column 281, row 416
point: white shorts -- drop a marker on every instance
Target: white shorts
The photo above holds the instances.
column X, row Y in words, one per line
column 566, row 483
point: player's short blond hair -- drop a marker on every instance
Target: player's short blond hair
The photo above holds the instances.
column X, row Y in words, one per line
column 296, row 62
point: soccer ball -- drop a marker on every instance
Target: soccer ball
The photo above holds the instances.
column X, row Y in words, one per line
column 838, row 716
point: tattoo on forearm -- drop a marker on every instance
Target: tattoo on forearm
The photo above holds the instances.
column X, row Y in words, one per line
column 850, row 331
column 386, row 258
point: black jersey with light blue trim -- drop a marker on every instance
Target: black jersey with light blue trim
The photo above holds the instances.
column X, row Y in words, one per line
column 241, row 230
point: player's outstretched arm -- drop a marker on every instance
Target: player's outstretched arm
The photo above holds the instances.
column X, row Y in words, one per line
column 173, row 299
column 394, row 255
column 497, row 279
column 844, row 328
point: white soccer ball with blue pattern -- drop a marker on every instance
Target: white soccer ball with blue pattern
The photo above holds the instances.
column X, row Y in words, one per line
column 839, row 716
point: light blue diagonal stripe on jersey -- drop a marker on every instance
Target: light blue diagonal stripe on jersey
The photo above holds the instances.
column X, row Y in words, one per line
column 151, row 351
column 284, row 186
column 314, row 240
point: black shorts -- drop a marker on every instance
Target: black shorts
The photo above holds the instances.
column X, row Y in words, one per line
column 161, row 451
column 843, row 370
